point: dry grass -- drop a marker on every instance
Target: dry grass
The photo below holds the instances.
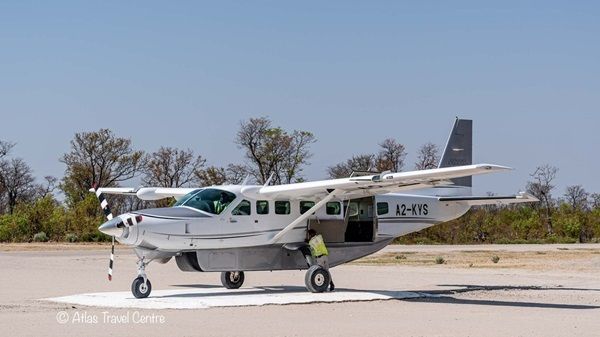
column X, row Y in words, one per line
column 54, row 246
column 578, row 259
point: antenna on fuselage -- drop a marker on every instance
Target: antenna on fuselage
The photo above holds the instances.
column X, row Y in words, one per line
column 245, row 182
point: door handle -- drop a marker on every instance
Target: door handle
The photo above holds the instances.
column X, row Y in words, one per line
column 232, row 220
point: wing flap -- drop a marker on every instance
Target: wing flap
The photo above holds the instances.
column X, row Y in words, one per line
column 492, row 200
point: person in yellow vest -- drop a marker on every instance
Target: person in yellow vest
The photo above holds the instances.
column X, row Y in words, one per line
column 219, row 205
column 319, row 252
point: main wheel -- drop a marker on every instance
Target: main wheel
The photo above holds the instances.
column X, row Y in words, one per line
column 139, row 289
column 317, row 279
column 232, row 279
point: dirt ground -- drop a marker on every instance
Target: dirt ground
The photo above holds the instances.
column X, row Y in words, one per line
column 531, row 290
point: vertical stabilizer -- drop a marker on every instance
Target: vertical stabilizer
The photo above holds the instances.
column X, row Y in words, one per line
column 459, row 150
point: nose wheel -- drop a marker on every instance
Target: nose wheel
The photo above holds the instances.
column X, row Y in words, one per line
column 141, row 288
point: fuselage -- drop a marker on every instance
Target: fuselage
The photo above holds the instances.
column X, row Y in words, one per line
column 222, row 217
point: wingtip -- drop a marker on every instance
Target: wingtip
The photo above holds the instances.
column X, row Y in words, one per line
column 496, row 167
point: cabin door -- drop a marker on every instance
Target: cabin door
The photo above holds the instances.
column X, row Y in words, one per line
column 361, row 220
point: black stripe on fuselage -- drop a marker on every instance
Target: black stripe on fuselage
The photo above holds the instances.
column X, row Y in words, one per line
column 219, row 236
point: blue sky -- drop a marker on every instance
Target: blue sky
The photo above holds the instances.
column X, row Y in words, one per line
column 185, row 73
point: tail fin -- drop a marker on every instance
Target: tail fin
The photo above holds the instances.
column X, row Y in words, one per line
column 459, row 150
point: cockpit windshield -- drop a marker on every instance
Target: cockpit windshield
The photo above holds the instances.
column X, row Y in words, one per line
column 209, row 200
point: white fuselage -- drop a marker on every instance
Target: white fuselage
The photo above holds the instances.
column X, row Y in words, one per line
column 390, row 215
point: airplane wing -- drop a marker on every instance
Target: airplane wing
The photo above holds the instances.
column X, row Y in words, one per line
column 373, row 184
column 147, row 193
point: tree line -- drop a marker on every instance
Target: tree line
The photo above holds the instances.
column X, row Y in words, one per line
column 63, row 209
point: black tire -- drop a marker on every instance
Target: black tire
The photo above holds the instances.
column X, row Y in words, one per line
column 139, row 290
column 317, row 279
column 232, row 279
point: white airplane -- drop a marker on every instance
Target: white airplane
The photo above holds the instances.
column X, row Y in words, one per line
column 236, row 228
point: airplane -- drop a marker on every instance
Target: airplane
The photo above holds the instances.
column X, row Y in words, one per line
column 233, row 229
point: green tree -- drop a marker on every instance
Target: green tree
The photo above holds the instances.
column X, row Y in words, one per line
column 273, row 151
column 98, row 157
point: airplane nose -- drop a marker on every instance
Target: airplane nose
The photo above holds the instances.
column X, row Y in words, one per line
column 112, row 227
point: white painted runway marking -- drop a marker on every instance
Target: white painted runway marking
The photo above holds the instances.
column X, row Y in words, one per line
column 218, row 297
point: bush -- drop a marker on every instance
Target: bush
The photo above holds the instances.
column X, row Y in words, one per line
column 40, row 237
column 495, row 258
column 400, row 257
column 439, row 260
column 71, row 237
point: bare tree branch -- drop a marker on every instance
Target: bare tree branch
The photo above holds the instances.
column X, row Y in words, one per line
column 428, row 157
column 171, row 167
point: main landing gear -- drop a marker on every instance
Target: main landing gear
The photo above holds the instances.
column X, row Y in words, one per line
column 232, row 279
column 317, row 279
column 141, row 286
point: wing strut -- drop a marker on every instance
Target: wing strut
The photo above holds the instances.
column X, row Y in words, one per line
column 304, row 216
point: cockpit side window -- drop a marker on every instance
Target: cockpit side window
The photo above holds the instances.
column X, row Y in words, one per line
column 209, row 200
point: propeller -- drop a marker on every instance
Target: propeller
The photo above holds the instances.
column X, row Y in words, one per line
column 109, row 216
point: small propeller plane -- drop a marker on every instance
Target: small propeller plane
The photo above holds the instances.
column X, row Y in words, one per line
column 236, row 228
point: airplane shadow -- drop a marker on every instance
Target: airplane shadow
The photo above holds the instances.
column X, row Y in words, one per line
column 444, row 296
column 427, row 296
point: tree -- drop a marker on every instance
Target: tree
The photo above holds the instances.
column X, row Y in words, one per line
column 595, row 200
column 273, row 151
column 236, row 173
column 577, row 197
column 215, row 175
column 17, row 182
column 5, row 148
column 101, row 158
column 171, row 167
column 391, row 156
column 212, row 176
column 428, row 157
column 541, row 187
column 362, row 162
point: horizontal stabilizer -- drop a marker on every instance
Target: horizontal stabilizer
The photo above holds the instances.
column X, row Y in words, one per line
column 492, row 200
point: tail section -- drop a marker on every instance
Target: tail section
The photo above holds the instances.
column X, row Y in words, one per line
column 459, row 152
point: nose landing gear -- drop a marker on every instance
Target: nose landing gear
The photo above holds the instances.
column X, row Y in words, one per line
column 141, row 286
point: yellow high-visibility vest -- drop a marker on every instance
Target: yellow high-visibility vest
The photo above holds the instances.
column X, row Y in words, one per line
column 218, row 206
column 317, row 246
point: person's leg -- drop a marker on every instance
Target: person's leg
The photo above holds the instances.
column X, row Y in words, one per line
column 324, row 262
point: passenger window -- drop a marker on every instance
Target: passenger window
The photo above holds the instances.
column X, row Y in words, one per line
column 262, row 207
column 333, row 208
column 305, row 206
column 282, row 207
column 243, row 208
column 382, row 208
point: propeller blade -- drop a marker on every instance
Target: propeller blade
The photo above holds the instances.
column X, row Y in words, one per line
column 112, row 260
column 109, row 216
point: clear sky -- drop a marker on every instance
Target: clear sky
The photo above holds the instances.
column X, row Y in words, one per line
column 184, row 74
